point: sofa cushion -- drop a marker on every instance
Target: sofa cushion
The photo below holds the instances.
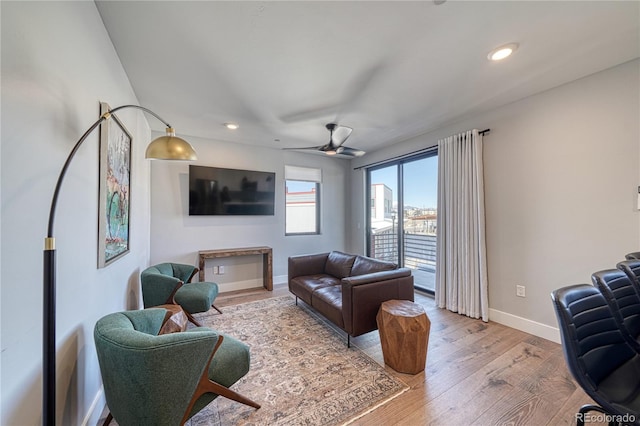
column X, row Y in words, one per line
column 339, row 264
column 366, row 265
column 304, row 286
column 328, row 301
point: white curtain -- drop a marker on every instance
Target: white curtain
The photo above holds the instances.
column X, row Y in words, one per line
column 461, row 272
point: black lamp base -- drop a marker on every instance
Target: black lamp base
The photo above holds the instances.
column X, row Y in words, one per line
column 49, row 339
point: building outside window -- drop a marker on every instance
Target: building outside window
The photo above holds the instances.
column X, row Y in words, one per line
column 302, row 200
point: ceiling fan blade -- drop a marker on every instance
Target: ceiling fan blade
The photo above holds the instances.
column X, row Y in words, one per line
column 317, row 148
column 351, row 152
column 340, row 134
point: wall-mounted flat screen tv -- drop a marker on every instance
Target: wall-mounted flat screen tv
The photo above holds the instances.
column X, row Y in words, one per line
column 218, row 191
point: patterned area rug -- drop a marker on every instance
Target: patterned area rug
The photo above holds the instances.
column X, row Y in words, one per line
column 301, row 370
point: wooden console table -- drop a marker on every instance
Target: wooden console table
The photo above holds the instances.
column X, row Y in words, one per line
column 267, row 260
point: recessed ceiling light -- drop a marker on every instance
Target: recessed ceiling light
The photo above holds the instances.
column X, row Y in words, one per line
column 231, row 126
column 502, row 52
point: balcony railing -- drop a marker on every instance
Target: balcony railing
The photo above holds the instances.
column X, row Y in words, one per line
column 419, row 254
column 419, row 249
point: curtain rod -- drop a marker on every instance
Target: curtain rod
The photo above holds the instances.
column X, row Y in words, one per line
column 410, row 154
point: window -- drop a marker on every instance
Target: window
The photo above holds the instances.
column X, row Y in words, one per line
column 302, row 199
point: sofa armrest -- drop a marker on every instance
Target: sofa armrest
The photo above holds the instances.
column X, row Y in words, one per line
column 363, row 294
column 308, row 264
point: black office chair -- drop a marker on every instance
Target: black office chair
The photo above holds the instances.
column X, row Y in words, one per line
column 622, row 297
column 632, row 256
column 598, row 356
column 632, row 269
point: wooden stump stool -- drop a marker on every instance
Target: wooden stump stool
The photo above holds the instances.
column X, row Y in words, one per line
column 404, row 335
column 175, row 320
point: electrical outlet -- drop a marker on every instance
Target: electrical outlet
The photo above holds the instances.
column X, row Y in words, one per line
column 215, row 270
column 520, row 291
column 221, row 270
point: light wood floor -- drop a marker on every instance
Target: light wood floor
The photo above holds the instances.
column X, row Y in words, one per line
column 477, row 374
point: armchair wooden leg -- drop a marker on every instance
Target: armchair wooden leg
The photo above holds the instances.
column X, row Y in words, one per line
column 192, row 319
column 171, row 299
column 205, row 386
column 108, row 419
column 228, row 393
column 216, row 308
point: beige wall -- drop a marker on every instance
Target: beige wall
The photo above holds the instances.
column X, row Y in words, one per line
column 561, row 185
column 176, row 236
column 58, row 63
column 561, row 178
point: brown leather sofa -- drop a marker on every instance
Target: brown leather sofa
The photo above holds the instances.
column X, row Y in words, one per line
column 348, row 289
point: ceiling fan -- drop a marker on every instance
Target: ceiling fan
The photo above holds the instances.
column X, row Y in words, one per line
column 339, row 134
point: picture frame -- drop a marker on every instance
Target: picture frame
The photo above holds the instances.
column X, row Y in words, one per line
column 114, row 189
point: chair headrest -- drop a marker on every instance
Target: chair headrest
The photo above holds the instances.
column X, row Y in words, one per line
column 146, row 321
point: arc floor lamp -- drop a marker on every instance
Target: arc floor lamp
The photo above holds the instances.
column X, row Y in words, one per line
column 168, row 147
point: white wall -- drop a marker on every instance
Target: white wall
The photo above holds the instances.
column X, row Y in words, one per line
column 561, row 177
column 177, row 237
column 57, row 64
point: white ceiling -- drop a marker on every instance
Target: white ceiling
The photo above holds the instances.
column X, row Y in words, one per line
column 389, row 69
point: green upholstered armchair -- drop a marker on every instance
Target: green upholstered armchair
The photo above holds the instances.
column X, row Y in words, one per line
column 152, row 379
column 169, row 283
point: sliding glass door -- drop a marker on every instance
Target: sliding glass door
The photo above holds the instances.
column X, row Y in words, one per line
column 382, row 226
column 402, row 215
column 420, row 210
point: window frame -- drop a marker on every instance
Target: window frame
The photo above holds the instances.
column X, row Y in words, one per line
column 310, row 175
column 317, row 210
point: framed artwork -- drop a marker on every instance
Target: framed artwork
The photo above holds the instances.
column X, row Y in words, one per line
column 114, row 181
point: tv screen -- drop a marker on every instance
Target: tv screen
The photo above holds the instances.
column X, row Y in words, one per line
column 217, row 191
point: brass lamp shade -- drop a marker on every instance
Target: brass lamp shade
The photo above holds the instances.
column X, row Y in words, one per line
column 170, row 147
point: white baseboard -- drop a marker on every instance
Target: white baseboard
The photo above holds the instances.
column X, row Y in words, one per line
column 526, row 325
column 253, row 283
column 95, row 410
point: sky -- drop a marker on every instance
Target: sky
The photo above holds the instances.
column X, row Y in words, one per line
column 298, row 186
column 420, row 182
